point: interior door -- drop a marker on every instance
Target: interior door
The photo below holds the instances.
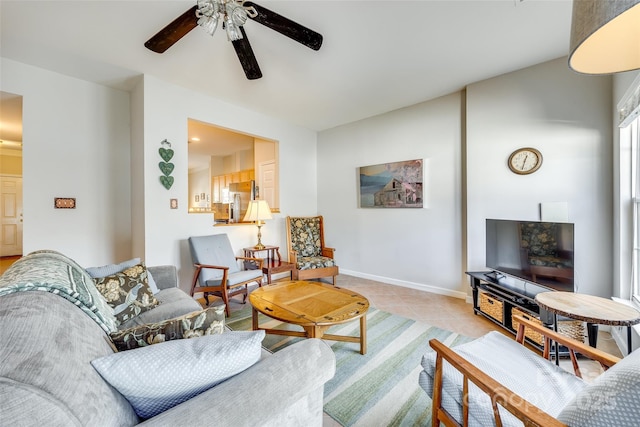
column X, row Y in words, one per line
column 267, row 182
column 11, row 215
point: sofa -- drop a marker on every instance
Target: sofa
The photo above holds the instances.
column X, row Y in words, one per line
column 50, row 340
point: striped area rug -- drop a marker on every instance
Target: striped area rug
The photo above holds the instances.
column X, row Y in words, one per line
column 377, row 389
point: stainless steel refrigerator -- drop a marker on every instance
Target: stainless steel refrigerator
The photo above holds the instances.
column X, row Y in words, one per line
column 240, row 194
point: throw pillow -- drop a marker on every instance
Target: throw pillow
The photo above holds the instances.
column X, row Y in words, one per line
column 196, row 324
column 156, row 378
column 609, row 400
column 111, row 269
column 127, row 292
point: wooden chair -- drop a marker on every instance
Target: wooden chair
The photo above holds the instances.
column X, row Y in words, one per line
column 516, row 386
column 218, row 271
column 305, row 240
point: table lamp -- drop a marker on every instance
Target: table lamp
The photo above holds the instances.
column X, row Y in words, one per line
column 258, row 211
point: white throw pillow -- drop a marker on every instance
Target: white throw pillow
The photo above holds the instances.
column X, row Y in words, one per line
column 156, row 378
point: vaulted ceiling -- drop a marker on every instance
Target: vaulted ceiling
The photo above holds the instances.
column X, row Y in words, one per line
column 377, row 56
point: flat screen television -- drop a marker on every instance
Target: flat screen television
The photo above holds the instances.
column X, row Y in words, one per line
column 535, row 251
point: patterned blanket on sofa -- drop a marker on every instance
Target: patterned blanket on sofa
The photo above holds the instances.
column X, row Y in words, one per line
column 54, row 272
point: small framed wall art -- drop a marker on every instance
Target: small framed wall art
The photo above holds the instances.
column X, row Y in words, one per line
column 392, row 185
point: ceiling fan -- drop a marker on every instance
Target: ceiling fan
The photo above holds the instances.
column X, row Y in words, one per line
column 233, row 14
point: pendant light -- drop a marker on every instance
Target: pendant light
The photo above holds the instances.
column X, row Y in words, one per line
column 605, row 36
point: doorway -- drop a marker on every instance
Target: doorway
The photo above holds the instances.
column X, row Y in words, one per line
column 11, row 215
column 11, row 206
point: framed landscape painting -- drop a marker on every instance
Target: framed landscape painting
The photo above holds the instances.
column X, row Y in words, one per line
column 392, row 185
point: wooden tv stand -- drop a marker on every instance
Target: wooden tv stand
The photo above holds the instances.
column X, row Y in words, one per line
column 496, row 296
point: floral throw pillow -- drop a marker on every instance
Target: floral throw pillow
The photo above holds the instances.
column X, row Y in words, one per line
column 127, row 292
column 199, row 323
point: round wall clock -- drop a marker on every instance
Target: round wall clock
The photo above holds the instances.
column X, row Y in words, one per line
column 524, row 161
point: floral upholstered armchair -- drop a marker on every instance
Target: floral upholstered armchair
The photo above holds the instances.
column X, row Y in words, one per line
column 305, row 240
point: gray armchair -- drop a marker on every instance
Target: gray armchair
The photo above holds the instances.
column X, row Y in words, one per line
column 218, row 271
column 495, row 380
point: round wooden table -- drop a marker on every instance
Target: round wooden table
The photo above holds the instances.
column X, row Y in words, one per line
column 314, row 306
column 591, row 309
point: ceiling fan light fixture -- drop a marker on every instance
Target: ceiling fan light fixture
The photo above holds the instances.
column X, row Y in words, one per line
column 233, row 30
column 208, row 13
column 238, row 15
column 209, row 24
column 208, row 7
column 233, row 14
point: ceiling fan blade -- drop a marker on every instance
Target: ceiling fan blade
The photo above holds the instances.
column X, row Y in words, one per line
column 247, row 57
column 287, row 27
column 173, row 32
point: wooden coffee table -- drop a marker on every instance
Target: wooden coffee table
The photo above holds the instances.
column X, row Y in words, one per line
column 314, row 306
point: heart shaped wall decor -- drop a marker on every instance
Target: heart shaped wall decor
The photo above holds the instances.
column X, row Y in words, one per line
column 166, row 168
column 166, row 153
column 167, row 181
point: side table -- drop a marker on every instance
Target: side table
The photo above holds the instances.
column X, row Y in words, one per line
column 591, row 309
column 272, row 264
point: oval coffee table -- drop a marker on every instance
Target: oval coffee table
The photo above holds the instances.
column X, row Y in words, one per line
column 314, row 306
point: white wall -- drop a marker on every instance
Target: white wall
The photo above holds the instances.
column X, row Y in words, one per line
column 418, row 248
column 137, row 170
column 166, row 109
column 76, row 144
column 101, row 145
column 567, row 117
column 199, row 182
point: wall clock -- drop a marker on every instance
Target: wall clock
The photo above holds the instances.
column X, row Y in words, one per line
column 524, row 161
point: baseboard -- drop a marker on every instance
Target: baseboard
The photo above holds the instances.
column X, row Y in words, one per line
column 619, row 334
column 406, row 284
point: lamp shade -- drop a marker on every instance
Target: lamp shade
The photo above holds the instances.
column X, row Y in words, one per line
column 258, row 210
column 605, row 36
